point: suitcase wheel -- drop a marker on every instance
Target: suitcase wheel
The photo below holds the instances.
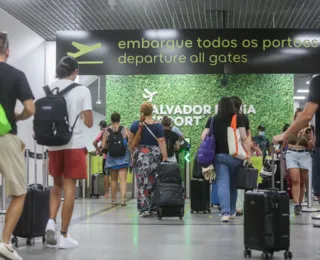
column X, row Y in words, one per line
column 14, row 241
column 247, row 253
column 287, row 255
column 30, row 241
column 265, row 256
column 181, row 213
column 160, row 213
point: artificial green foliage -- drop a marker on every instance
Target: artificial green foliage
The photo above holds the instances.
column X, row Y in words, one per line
column 271, row 95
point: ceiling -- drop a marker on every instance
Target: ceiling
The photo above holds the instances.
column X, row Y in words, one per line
column 46, row 17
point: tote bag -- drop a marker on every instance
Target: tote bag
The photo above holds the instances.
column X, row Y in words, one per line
column 5, row 126
column 234, row 141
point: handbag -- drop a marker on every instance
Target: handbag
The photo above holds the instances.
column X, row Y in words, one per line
column 234, row 141
column 207, row 150
column 247, row 177
column 5, row 126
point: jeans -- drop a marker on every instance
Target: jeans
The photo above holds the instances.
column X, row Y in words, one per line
column 225, row 166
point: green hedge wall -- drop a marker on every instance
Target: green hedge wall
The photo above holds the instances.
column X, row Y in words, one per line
column 271, row 95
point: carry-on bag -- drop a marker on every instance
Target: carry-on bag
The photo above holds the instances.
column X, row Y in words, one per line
column 200, row 196
column 214, row 194
column 267, row 222
column 96, row 187
column 169, row 193
column 36, row 213
column 247, row 177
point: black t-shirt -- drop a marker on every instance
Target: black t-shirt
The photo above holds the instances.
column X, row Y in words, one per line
column 168, row 134
column 314, row 97
column 220, row 131
column 13, row 86
column 246, row 122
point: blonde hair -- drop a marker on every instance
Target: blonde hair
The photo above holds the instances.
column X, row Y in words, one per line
column 146, row 109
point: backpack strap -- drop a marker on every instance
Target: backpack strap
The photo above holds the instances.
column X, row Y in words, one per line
column 67, row 89
column 47, row 90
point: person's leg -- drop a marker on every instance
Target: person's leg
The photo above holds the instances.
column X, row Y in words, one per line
column 68, row 205
column 106, row 179
column 114, row 184
column 294, row 174
column 55, row 197
column 223, row 182
column 12, row 166
column 303, row 181
column 123, row 184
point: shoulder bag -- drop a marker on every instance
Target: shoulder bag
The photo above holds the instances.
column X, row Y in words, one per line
column 234, row 141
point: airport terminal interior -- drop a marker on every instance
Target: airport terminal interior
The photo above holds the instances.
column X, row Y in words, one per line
column 182, row 56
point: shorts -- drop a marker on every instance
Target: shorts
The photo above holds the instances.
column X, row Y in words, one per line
column 12, row 165
column 295, row 160
column 70, row 163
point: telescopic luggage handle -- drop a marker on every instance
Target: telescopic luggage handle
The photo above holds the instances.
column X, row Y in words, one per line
column 273, row 153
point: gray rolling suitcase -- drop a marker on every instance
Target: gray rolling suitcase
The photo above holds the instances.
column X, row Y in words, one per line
column 97, row 182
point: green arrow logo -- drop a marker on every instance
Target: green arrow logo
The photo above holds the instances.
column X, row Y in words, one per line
column 187, row 157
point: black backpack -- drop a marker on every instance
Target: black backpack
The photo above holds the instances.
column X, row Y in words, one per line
column 116, row 147
column 51, row 124
column 170, row 144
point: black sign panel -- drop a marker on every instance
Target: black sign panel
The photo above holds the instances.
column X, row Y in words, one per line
column 192, row 51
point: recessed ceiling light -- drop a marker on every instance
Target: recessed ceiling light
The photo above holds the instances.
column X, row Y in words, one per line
column 308, row 82
column 299, row 97
column 303, row 91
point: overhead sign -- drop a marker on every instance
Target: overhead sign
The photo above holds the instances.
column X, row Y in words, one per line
column 192, row 51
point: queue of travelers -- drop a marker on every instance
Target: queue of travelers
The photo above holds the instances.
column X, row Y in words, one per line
column 143, row 147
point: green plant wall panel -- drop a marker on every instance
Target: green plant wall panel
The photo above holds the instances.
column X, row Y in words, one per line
column 270, row 95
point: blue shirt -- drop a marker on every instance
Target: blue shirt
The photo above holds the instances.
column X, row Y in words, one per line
column 147, row 138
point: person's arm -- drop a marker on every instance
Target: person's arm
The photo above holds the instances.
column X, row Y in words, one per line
column 311, row 142
column 104, row 139
column 163, row 148
column 97, row 141
column 245, row 140
column 87, row 115
column 206, row 129
column 304, row 118
column 130, row 142
column 26, row 98
column 177, row 146
column 28, row 110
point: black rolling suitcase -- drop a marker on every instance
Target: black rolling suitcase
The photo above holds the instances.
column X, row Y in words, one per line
column 35, row 215
column 169, row 193
column 267, row 222
column 200, row 196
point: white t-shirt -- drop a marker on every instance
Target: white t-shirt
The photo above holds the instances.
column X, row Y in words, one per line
column 78, row 100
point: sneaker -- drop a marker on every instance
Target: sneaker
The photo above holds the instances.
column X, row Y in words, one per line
column 225, row 218
column 233, row 216
column 153, row 213
column 144, row 214
column 67, row 242
column 239, row 212
column 8, row 252
column 297, row 210
column 51, row 233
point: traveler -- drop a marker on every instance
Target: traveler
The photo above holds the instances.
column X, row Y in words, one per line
column 310, row 109
column 148, row 148
column 103, row 126
column 118, row 157
column 172, row 140
column 298, row 160
column 238, row 103
column 67, row 163
column 225, row 165
column 261, row 141
column 13, row 86
column 176, row 130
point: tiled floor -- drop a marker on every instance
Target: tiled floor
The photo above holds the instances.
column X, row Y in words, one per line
column 117, row 233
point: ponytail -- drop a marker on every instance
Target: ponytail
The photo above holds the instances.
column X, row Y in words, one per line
column 138, row 135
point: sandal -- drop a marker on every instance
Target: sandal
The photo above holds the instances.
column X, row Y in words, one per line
column 114, row 202
column 123, row 203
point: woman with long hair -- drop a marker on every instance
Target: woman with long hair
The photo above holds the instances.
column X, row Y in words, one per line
column 298, row 160
column 117, row 164
column 225, row 165
column 148, row 148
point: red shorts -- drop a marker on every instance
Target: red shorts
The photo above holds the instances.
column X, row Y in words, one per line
column 71, row 163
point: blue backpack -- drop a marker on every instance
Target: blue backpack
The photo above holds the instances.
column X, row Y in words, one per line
column 207, row 150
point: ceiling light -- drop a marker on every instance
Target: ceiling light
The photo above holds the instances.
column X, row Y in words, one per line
column 303, row 91
column 308, row 82
column 299, row 97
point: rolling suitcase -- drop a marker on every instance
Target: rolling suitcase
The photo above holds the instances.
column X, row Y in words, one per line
column 200, row 196
column 247, row 178
column 267, row 222
column 97, row 182
column 35, row 214
column 169, row 193
column 97, row 185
